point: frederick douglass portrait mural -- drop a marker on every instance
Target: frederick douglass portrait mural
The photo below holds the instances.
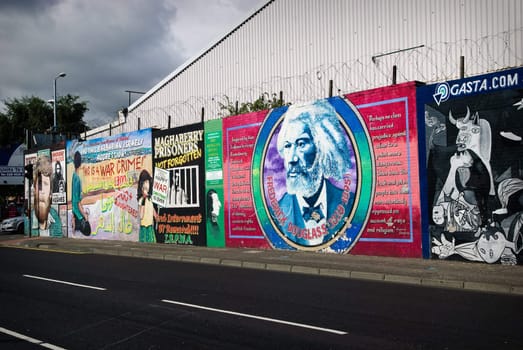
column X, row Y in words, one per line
column 309, row 174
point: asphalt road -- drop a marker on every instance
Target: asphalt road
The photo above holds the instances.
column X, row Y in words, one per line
column 84, row 301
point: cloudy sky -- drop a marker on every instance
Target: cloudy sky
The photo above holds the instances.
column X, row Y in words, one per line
column 105, row 46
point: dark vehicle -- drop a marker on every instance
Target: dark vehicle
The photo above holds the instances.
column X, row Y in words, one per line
column 13, row 225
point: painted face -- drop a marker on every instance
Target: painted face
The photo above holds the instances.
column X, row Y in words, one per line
column 44, row 166
column 430, row 121
column 490, row 248
column 44, row 186
column 216, row 205
column 299, row 153
column 299, row 150
column 438, row 215
column 43, row 204
column 145, row 188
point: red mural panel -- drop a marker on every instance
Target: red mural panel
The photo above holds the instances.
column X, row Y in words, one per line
column 239, row 137
column 394, row 225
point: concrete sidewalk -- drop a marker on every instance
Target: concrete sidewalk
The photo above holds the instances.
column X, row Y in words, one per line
column 495, row 278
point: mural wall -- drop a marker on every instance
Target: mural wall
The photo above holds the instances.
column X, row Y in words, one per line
column 179, row 183
column 103, row 176
column 46, row 192
column 474, row 167
column 350, row 173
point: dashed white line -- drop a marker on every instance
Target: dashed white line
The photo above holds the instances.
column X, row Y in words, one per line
column 64, row 282
column 268, row 319
column 29, row 339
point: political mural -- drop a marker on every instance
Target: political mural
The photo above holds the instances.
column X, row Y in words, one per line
column 313, row 176
column 179, row 183
column 474, row 167
column 214, row 183
column 46, row 219
column 239, row 138
column 58, row 182
column 103, row 176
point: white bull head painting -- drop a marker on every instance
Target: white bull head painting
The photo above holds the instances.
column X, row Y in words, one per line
column 474, row 134
column 462, row 203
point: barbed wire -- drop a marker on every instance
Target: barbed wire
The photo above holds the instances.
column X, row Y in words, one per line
column 439, row 61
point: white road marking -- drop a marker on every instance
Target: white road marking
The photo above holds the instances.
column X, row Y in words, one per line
column 256, row 317
column 64, row 282
column 29, row 339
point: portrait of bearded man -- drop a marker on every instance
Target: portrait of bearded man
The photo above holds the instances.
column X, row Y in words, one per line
column 316, row 156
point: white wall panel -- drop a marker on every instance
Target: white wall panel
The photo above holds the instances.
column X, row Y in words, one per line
column 297, row 46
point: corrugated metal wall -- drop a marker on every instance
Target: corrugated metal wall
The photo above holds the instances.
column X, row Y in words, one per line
column 297, row 46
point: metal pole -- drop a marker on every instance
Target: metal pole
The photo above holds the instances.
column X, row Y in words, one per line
column 29, row 213
column 133, row 92
column 54, row 107
column 394, row 74
column 61, row 75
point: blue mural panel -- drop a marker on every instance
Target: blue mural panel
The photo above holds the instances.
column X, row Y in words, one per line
column 474, row 167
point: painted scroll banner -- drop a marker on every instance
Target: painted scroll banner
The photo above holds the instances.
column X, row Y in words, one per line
column 394, row 226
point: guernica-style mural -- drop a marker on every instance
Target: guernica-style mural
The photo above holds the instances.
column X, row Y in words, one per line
column 109, row 181
column 474, row 163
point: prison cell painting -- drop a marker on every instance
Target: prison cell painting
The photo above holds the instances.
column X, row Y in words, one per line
column 178, row 156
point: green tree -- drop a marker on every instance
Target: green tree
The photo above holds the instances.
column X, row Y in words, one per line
column 70, row 114
column 34, row 114
column 264, row 102
column 5, row 131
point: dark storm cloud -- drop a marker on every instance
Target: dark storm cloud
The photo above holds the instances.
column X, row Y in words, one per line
column 29, row 6
column 105, row 47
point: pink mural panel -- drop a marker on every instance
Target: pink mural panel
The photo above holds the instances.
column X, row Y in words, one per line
column 239, row 137
column 394, row 225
